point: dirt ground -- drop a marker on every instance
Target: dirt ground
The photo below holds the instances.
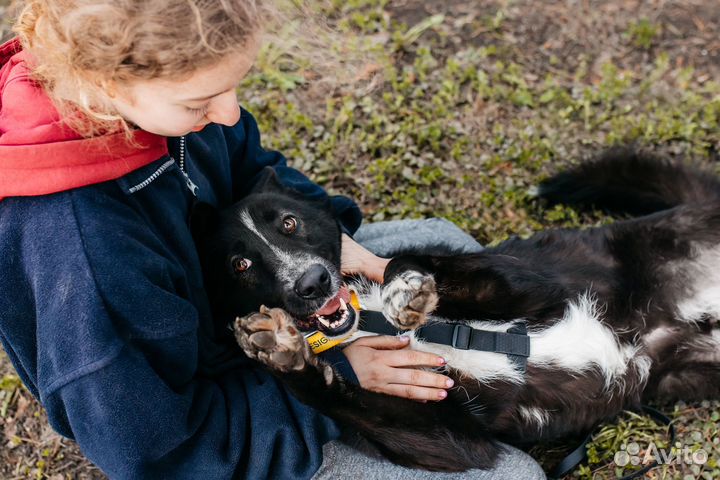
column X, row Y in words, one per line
column 469, row 104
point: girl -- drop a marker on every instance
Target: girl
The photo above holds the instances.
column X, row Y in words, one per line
column 115, row 115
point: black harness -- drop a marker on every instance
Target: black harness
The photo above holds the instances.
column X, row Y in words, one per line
column 515, row 342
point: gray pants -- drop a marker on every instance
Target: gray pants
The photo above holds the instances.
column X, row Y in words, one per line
column 353, row 457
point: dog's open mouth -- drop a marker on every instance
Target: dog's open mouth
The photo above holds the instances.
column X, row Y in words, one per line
column 335, row 318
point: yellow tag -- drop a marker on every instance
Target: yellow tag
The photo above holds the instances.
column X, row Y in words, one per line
column 319, row 342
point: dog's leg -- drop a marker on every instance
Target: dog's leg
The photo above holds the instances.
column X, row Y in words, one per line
column 479, row 285
column 687, row 369
column 271, row 338
column 407, row 432
column 689, row 382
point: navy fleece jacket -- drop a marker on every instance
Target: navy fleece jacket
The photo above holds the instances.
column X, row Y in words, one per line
column 104, row 316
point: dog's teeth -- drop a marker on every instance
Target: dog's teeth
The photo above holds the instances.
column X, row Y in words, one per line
column 323, row 320
column 343, row 305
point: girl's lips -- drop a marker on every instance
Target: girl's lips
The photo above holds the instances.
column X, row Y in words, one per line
column 197, row 129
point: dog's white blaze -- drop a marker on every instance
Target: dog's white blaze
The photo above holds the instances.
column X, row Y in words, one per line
column 293, row 264
column 578, row 342
column 703, row 277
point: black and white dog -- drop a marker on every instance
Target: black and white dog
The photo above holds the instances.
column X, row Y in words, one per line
column 613, row 314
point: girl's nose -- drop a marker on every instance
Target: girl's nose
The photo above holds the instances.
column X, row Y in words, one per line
column 224, row 109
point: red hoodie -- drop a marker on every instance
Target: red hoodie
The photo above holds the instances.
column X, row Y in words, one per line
column 39, row 154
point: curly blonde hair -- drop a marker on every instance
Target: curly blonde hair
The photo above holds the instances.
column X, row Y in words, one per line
column 80, row 47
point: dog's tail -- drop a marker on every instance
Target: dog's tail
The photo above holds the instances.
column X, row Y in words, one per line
column 623, row 180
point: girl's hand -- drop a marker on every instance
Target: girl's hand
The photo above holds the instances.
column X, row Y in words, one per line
column 357, row 259
column 383, row 364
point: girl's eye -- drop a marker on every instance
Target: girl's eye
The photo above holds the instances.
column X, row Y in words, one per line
column 289, row 224
column 240, row 264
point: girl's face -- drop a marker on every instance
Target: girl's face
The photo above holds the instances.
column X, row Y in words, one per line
column 175, row 108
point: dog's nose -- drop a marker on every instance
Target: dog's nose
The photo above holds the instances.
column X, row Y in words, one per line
column 314, row 283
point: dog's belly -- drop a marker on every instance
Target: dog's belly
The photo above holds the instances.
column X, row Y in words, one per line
column 575, row 352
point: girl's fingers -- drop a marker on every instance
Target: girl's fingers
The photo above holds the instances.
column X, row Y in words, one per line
column 383, row 342
column 415, row 393
column 419, row 378
column 409, row 358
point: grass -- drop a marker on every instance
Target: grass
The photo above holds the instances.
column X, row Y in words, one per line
column 463, row 130
column 462, row 126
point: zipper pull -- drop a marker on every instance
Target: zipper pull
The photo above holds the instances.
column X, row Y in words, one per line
column 189, row 183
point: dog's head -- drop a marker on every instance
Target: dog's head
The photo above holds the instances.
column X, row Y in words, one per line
column 275, row 248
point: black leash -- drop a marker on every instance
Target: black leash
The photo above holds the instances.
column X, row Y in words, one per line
column 579, row 454
column 515, row 342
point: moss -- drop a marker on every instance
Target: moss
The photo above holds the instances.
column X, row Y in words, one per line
column 642, row 33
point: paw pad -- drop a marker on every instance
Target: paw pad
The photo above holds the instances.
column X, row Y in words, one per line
column 271, row 338
column 409, row 298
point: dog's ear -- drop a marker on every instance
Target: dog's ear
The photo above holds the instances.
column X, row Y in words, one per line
column 203, row 220
column 268, row 182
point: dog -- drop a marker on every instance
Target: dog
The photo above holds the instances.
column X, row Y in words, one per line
column 613, row 315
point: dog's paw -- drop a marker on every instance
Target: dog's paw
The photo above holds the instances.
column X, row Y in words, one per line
column 271, row 338
column 408, row 298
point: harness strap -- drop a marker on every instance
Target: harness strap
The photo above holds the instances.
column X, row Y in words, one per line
column 515, row 343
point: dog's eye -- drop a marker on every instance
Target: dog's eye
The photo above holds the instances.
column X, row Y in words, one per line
column 289, row 224
column 240, row 264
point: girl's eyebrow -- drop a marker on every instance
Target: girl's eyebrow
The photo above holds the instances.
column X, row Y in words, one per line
column 207, row 97
column 202, row 98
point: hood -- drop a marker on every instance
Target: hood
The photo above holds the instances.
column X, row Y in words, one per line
column 40, row 154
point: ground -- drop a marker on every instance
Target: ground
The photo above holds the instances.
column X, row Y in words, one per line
column 459, row 108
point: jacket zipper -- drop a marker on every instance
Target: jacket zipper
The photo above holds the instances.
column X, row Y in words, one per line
column 181, row 163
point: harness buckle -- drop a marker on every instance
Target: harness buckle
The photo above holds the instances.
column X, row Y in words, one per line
column 461, row 336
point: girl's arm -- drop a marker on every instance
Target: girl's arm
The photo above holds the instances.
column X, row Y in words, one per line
column 108, row 321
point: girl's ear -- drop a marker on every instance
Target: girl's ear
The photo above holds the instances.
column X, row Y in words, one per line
column 267, row 182
column 107, row 86
column 204, row 219
column 110, row 88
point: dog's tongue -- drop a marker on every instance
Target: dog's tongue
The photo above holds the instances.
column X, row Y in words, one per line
column 333, row 305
